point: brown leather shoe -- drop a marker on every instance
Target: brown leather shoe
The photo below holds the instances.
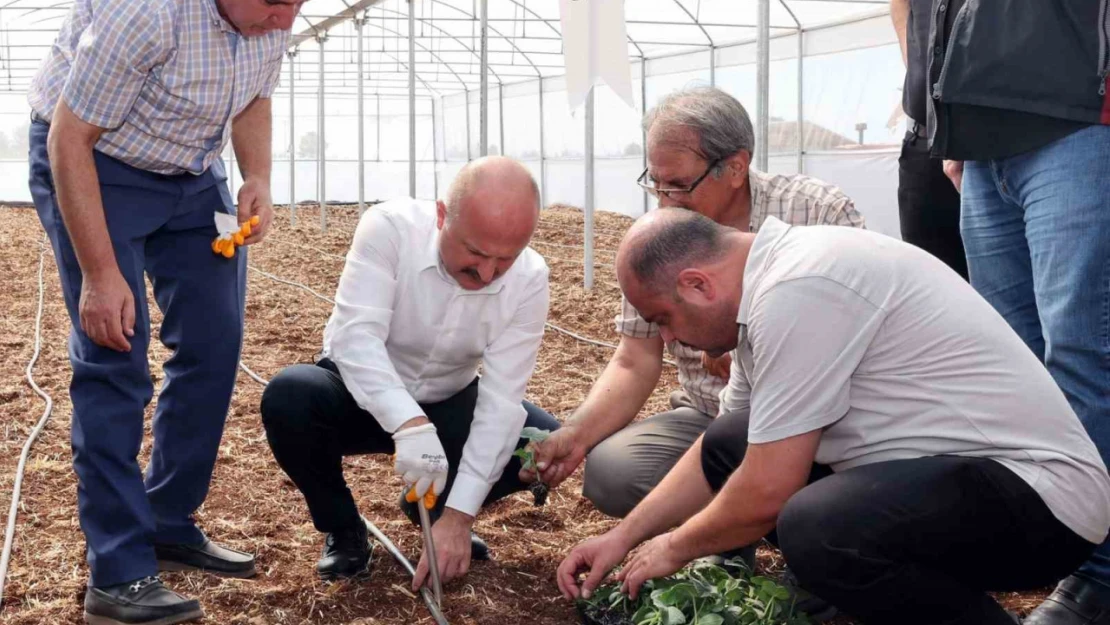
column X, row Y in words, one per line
column 208, row 557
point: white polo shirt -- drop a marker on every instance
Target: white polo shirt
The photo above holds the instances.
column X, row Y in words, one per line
column 894, row 356
column 403, row 331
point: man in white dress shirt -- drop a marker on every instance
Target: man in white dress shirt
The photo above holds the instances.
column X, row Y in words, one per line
column 430, row 291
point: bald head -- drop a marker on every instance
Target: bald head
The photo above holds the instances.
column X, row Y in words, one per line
column 663, row 243
column 496, row 185
column 487, row 219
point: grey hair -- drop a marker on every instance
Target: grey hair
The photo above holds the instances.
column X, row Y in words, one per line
column 686, row 239
column 719, row 120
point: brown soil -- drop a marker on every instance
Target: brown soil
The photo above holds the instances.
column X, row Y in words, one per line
column 252, row 506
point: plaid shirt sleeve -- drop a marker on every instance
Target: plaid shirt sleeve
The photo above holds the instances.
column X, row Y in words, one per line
column 124, row 42
column 630, row 323
column 839, row 210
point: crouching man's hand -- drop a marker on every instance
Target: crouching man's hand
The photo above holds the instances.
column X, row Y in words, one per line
column 451, row 534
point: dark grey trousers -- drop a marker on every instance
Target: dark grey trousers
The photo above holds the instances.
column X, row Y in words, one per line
column 622, row 469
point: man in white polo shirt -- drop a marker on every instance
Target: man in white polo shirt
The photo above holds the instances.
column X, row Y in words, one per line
column 430, row 291
column 882, row 424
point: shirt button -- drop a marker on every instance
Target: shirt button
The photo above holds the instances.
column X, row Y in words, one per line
column 937, row 50
column 942, row 8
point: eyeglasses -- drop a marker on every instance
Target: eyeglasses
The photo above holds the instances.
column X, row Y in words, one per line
column 649, row 185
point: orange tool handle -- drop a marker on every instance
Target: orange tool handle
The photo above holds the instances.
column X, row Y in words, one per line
column 429, row 498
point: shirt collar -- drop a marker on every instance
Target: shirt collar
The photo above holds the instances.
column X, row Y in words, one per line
column 429, row 259
column 766, row 240
column 218, row 20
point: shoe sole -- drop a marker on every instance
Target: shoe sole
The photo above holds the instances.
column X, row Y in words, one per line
column 94, row 619
column 334, row 577
column 166, row 565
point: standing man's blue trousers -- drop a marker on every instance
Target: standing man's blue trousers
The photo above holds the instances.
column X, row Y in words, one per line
column 162, row 227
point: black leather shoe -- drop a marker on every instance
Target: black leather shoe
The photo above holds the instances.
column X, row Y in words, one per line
column 346, row 553
column 141, row 602
column 479, row 550
column 208, row 557
column 1076, row 601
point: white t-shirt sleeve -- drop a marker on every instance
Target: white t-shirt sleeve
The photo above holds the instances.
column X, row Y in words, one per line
column 808, row 336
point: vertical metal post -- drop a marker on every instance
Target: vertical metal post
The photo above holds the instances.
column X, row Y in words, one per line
column 292, row 141
column 712, row 66
column 378, row 127
column 435, row 147
column 412, row 100
column 501, row 114
column 321, row 152
column 588, row 277
column 359, row 22
column 543, row 169
column 762, row 81
column 801, row 104
column 643, row 112
column 483, row 97
column 466, row 100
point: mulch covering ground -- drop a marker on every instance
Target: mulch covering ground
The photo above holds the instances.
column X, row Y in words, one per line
column 252, row 506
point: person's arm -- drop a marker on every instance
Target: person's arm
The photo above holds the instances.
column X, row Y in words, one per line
column 107, row 305
column 499, row 417
column 745, row 510
column 613, row 402
column 900, row 15
column 361, row 322
column 110, row 65
column 252, row 140
column 683, row 492
column 507, row 365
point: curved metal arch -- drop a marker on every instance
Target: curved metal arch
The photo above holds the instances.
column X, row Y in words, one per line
column 797, row 22
column 694, row 19
column 459, row 41
column 557, row 32
column 426, row 49
column 495, row 31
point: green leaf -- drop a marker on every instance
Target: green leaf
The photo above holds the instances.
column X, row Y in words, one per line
column 535, row 434
column 709, row 619
column 678, row 595
column 673, row 616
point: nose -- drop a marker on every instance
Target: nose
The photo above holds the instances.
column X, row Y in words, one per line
column 665, row 201
column 486, row 270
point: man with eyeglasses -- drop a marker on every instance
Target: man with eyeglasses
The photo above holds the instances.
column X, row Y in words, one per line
column 131, row 110
column 699, row 147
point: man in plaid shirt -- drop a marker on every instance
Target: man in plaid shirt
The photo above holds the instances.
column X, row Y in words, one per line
column 699, row 148
column 132, row 108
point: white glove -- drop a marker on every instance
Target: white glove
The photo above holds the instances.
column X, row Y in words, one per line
column 420, row 459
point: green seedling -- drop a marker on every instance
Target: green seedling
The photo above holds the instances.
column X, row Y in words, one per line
column 702, row 593
column 538, row 489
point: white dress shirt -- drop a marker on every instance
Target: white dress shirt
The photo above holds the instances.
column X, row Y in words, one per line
column 404, row 332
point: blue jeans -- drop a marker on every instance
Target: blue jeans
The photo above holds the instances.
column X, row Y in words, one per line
column 1036, row 228
column 161, row 227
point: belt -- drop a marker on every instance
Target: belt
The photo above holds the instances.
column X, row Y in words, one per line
column 919, row 129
